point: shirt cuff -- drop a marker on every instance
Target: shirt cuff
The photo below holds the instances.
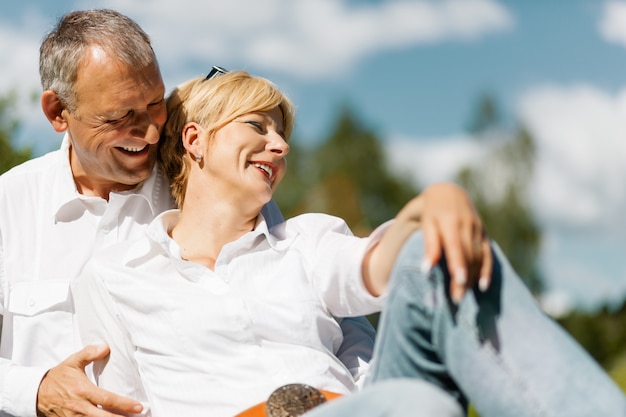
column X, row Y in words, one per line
column 19, row 396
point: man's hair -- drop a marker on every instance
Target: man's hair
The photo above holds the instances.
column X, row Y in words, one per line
column 213, row 104
column 64, row 48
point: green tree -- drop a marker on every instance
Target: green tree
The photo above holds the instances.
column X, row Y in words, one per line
column 347, row 175
column 9, row 123
column 499, row 189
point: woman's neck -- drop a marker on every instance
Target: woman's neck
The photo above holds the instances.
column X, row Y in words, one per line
column 203, row 229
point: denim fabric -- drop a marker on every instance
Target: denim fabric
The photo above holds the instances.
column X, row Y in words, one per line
column 496, row 349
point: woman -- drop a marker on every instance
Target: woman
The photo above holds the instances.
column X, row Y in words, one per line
column 213, row 311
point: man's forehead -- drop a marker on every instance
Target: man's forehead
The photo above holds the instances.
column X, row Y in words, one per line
column 113, row 85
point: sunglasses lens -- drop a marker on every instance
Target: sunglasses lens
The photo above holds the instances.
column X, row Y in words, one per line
column 215, row 71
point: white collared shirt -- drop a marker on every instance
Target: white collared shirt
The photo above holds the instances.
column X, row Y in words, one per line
column 191, row 341
column 48, row 231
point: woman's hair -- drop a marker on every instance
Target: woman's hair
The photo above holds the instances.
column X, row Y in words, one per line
column 63, row 49
column 213, row 104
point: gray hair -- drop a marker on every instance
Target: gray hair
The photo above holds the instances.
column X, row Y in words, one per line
column 63, row 49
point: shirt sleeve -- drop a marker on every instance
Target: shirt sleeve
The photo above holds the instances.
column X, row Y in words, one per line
column 99, row 323
column 335, row 259
column 18, row 388
column 357, row 347
column 18, row 384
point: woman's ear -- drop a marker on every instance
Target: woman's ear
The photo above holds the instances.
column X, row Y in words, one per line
column 192, row 138
column 53, row 109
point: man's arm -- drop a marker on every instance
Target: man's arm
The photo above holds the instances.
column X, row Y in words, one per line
column 18, row 384
column 18, row 388
column 358, row 346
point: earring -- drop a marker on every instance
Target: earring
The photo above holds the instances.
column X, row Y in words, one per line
column 198, row 158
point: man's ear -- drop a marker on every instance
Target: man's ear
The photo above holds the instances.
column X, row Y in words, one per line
column 53, row 109
column 191, row 137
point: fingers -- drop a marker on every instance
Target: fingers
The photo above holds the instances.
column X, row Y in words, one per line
column 432, row 245
column 450, row 223
column 87, row 355
column 113, row 402
column 65, row 390
column 487, row 266
column 456, row 250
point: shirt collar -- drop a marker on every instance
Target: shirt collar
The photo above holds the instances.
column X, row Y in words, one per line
column 68, row 202
column 159, row 230
column 158, row 234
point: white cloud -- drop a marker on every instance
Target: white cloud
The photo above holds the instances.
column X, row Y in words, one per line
column 579, row 187
column 612, row 24
column 307, row 38
column 581, row 173
column 430, row 160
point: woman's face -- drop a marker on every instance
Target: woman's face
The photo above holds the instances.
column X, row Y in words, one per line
column 247, row 156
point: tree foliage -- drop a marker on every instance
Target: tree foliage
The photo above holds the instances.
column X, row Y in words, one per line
column 9, row 123
column 347, row 175
column 499, row 188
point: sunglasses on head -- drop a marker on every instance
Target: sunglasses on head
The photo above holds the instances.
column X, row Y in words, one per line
column 215, row 70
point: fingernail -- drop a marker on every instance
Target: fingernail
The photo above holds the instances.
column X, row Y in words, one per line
column 457, row 297
column 425, row 266
column 483, row 284
column 460, row 276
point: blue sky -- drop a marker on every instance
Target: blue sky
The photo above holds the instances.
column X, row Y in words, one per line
column 413, row 70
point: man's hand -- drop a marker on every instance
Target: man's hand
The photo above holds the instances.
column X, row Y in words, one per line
column 66, row 391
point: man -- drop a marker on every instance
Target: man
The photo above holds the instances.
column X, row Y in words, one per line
column 103, row 88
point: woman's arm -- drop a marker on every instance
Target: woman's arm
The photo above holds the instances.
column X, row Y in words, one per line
column 450, row 224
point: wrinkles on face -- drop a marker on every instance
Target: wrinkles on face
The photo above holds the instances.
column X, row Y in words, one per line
column 116, row 127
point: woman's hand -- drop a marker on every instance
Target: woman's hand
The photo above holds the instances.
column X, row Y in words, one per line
column 450, row 224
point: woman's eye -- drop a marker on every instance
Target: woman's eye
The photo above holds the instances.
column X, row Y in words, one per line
column 257, row 125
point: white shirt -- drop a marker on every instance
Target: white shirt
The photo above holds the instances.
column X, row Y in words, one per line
column 48, row 231
column 190, row 341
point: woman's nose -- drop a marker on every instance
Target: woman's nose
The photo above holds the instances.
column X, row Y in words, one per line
column 278, row 144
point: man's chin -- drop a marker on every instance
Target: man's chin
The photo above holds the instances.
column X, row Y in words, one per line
column 134, row 178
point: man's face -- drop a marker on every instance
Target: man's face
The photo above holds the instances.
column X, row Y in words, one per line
column 116, row 127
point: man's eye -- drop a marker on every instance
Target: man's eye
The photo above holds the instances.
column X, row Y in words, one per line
column 119, row 119
column 157, row 103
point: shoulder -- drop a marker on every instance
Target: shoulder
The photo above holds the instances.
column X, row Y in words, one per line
column 314, row 224
column 32, row 172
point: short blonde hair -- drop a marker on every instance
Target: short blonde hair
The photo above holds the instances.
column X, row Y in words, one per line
column 213, row 104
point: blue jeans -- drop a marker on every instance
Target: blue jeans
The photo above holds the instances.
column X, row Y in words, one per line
column 496, row 349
